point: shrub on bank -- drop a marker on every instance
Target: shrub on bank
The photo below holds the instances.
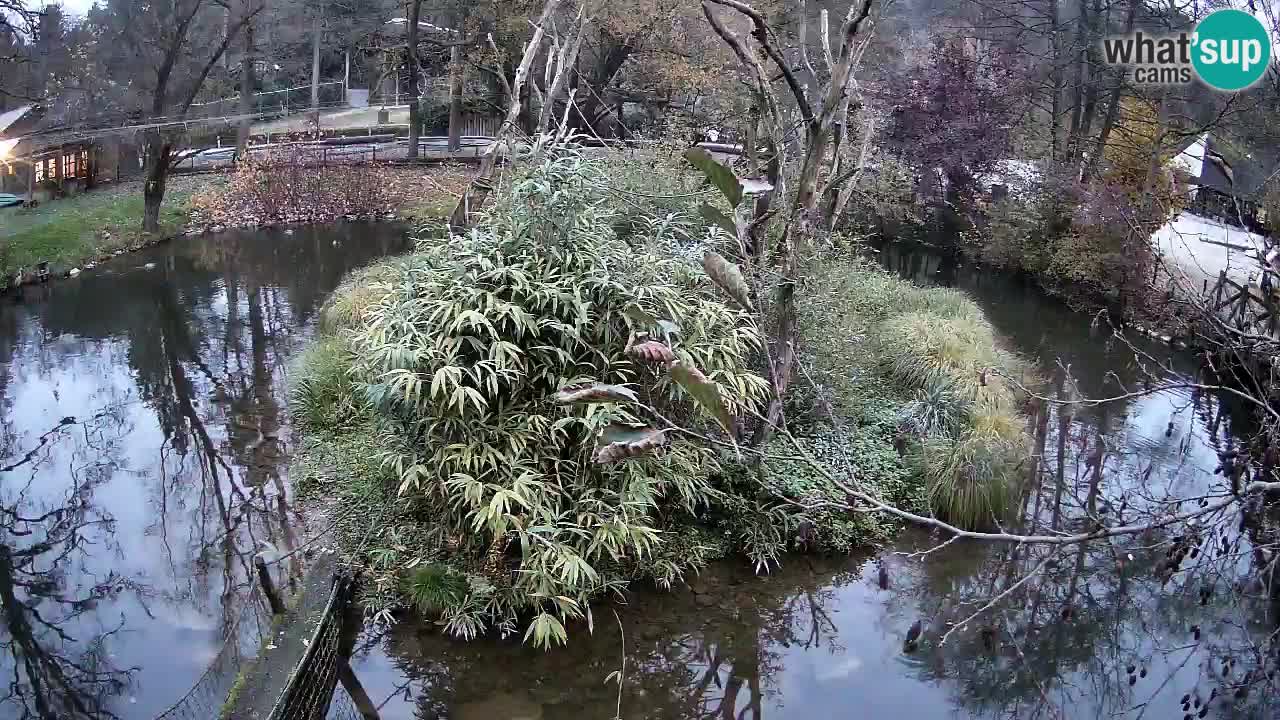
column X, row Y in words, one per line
column 460, row 350
column 489, row 506
column 302, row 186
column 916, row 365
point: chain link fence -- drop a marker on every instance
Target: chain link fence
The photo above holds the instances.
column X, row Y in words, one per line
column 332, row 94
column 311, row 686
column 205, row 699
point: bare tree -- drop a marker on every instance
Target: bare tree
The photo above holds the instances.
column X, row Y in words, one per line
column 563, row 57
column 821, row 111
column 18, row 23
column 479, row 189
column 179, row 44
column 247, row 82
column 317, row 32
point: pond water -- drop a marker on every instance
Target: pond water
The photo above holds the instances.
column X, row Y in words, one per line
column 142, row 438
column 142, row 442
column 1097, row 631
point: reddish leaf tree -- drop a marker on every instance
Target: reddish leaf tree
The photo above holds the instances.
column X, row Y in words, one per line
column 955, row 118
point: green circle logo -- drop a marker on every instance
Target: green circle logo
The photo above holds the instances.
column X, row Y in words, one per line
column 1232, row 50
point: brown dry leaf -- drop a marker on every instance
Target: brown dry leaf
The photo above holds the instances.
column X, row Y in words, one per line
column 619, row 442
column 651, row 351
column 594, row 393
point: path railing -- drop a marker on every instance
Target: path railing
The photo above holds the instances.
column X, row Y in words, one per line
column 310, row 687
column 1250, row 307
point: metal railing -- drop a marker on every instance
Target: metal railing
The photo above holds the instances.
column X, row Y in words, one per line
column 310, row 688
column 285, row 102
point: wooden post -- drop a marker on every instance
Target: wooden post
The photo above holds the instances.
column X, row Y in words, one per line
column 268, row 587
column 364, row 704
column 1242, row 310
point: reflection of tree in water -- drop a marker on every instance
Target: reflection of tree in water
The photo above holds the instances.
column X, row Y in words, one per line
column 717, row 653
column 209, row 360
column 206, row 335
column 54, row 668
column 1124, row 625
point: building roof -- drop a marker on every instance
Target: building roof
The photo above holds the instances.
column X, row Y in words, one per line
column 13, row 116
column 1234, row 170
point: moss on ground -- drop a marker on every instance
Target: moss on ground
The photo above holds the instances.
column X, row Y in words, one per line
column 74, row 230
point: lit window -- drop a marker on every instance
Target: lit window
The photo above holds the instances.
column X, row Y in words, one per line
column 84, row 162
column 68, row 165
column 40, row 171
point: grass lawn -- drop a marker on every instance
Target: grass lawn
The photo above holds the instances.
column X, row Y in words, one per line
column 74, row 230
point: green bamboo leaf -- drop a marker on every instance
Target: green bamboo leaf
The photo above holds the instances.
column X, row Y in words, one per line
column 669, row 328
column 728, row 277
column 713, row 215
column 704, row 391
column 719, row 174
column 594, row 393
column 640, row 316
column 545, row 631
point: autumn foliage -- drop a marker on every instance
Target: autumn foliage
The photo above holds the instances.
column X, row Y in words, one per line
column 298, row 186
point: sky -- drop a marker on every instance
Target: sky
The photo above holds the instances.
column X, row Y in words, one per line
column 72, row 7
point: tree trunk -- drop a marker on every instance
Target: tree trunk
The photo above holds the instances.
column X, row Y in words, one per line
column 246, row 94
column 1056, row 82
column 157, row 174
column 315, row 64
column 476, row 193
column 798, row 234
column 455, row 97
column 411, row 69
column 1113, row 108
column 566, row 63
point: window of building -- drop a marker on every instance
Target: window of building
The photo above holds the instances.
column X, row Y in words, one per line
column 84, row 162
column 40, row 171
column 69, row 165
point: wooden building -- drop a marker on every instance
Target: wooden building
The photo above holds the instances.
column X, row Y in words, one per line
column 42, row 165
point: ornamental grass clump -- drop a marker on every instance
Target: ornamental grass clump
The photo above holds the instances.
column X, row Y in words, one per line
column 925, row 366
column 516, row 373
column 967, row 434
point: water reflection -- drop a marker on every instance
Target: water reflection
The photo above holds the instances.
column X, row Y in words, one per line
column 142, row 429
column 1086, row 631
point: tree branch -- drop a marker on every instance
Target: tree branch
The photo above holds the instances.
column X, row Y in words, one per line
column 227, row 39
column 764, row 35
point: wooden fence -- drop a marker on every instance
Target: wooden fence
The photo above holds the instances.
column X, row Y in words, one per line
column 1250, row 307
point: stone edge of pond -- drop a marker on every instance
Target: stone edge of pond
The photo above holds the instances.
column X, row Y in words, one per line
column 261, row 681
